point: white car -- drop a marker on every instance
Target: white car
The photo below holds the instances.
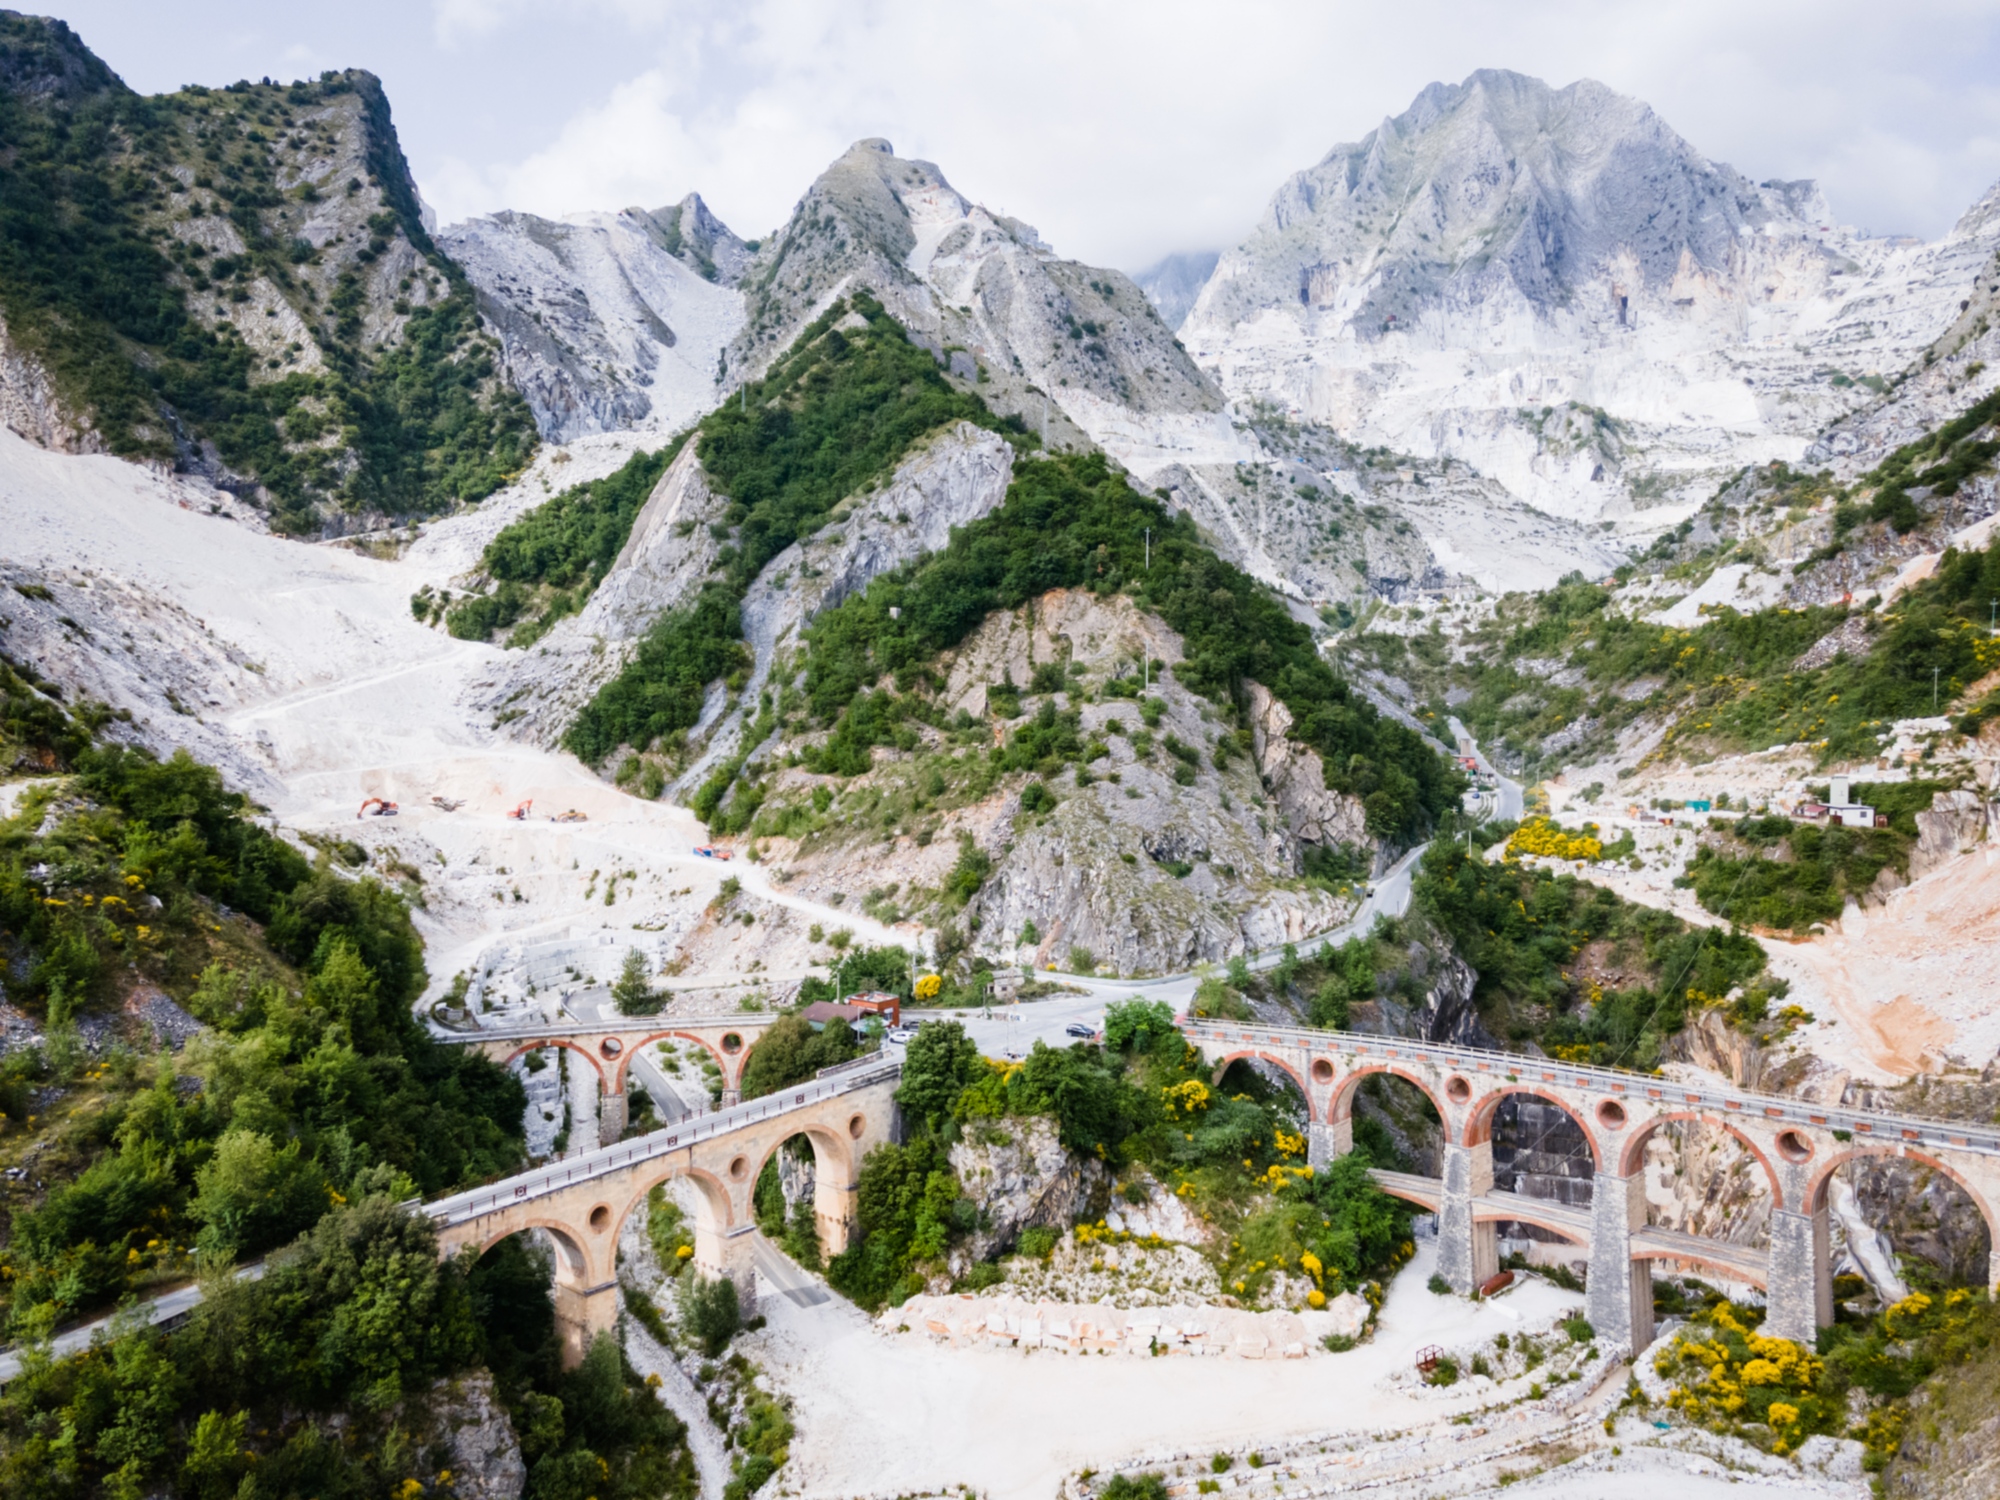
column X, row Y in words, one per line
column 902, row 1036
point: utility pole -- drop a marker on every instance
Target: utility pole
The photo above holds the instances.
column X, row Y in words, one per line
column 1934, row 689
column 1149, row 549
column 1991, row 606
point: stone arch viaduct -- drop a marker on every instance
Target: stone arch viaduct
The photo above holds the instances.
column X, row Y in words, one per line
column 584, row 1201
column 1796, row 1144
column 610, row 1046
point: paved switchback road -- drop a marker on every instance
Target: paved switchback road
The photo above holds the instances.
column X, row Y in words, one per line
column 1510, row 791
column 1016, row 1028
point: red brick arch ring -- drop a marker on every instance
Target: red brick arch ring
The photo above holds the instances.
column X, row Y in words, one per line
column 714, row 1193
column 1511, row 1215
column 1632, row 1158
column 571, row 1043
column 1342, row 1105
column 1290, row 1071
column 1479, row 1120
column 731, row 1063
column 1823, row 1174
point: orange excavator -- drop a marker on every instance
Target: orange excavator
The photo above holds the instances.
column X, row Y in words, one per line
column 520, row 814
column 383, row 808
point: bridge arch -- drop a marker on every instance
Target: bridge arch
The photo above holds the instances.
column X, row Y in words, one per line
column 730, row 1062
column 1480, row 1115
column 572, row 1255
column 1290, row 1070
column 1719, row 1265
column 1632, row 1155
column 1817, row 1185
column 1515, row 1215
column 573, row 1044
column 1341, row 1106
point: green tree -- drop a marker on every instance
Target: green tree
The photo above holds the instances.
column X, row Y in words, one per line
column 1138, row 1025
column 791, row 1052
column 251, row 1194
column 633, row 990
column 938, row 1065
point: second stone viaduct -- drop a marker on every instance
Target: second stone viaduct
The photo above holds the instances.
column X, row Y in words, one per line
column 1797, row 1145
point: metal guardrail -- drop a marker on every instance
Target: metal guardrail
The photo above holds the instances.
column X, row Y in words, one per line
column 595, row 1028
column 540, row 1183
column 1869, row 1126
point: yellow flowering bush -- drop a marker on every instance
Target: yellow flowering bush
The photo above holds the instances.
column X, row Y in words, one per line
column 1546, row 837
column 1727, row 1374
column 1181, row 1100
column 929, row 986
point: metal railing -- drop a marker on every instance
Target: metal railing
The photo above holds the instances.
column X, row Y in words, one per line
column 1868, row 1126
column 528, row 1186
column 621, row 1024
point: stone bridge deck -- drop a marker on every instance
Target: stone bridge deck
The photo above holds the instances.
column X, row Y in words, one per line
column 1745, row 1263
column 1798, row 1145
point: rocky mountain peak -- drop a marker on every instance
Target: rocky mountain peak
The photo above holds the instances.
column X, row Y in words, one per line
column 694, row 236
column 1553, row 286
column 42, row 60
column 1497, row 181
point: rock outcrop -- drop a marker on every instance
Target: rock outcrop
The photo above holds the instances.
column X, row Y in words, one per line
column 1020, row 1175
column 608, row 321
column 1296, row 777
column 1956, row 823
column 469, row 1420
column 30, row 406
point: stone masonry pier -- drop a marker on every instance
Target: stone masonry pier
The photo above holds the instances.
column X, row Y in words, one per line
column 1798, row 1146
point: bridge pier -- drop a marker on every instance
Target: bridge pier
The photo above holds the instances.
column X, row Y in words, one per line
column 1326, row 1144
column 739, row 1264
column 1468, row 1252
column 612, row 1115
column 1618, row 1298
column 582, row 1313
column 1799, row 1291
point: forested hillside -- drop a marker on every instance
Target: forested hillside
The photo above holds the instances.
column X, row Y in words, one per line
column 137, row 898
column 238, row 281
column 1557, row 676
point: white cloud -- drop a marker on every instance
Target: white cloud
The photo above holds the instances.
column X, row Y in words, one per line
column 1124, row 131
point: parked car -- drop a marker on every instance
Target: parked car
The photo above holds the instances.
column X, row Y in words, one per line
column 902, row 1036
column 1080, row 1028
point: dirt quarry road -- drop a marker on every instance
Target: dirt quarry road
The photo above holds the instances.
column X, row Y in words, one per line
column 300, row 670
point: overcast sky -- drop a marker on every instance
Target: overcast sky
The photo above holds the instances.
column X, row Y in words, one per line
column 1122, row 131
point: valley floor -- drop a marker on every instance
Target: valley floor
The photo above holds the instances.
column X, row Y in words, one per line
column 884, row 1416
